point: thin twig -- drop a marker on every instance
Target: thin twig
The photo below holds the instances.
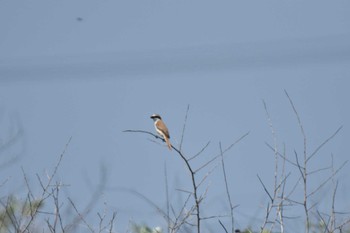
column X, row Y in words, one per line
column 181, row 218
column 81, row 216
column 265, row 189
column 319, row 170
column 335, row 187
column 222, row 225
column 223, row 152
column 282, row 156
column 184, row 128
column 304, row 170
column 327, row 180
column 325, row 223
column 96, row 194
column 277, row 184
column 227, row 189
column 324, row 143
column 147, row 200
column 275, row 149
column 207, row 175
column 200, row 152
column 333, row 206
column 167, row 196
column 299, row 167
column 111, row 222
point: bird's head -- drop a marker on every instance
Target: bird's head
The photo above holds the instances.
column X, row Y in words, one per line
column 155, row 117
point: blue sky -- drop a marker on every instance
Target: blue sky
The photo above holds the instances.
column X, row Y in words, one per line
column 90, row 70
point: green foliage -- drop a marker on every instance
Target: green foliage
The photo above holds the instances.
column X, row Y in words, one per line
column 246, row 231
column 249, row 230
column 6, row 213
column 145, row 229
column 14, row 211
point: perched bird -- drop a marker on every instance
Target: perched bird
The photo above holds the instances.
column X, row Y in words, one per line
column 161, row 129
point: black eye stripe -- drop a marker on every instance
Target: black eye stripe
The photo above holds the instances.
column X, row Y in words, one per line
column 156, row 117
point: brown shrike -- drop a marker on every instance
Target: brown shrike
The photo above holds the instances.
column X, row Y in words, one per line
column 161, row 129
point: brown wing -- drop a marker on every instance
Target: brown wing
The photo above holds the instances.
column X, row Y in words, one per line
column 162, row 127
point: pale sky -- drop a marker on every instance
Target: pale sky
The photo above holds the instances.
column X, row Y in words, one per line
column 89, row 70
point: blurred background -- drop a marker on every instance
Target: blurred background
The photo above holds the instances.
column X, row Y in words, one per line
column 88, row 70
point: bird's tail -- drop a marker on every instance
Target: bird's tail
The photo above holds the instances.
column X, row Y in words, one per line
column 167, row 142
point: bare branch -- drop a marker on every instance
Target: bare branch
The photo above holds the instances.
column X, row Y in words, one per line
column 340, row 227
column 282, row 156
column 181, row 218
column 335, row 184
column 143, row 131
column 227, row 189
column 95, row 195
column 149, row 201
column 190, row 169
column 167, row 196
column 325, row 223
column 184, row 191
column 200, row 152
column 301, row 169
column 4, row 182
column 206, row 175
column 324, row 143
column 319, row 170
column 223, row 152
column 275, row 150
column 222, row 225
column 299, row 121
column 265, row 189
column 111, row 222
column 327, row 180
column 184, row 127
column 81, row 216
column 16, row 137
column 45, row 194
